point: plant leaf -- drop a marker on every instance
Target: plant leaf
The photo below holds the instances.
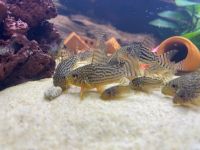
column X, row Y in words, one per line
column 184, row 3
column 174, row 15
column 194, row 37
column 198, row 16
column 161, row 23
column 193, row 9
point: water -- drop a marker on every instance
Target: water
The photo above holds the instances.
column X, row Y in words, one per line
column 36, row 35
column 129, row 16
column 32, row 32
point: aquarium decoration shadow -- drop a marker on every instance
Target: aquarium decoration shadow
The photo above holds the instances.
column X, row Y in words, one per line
column 180, row 55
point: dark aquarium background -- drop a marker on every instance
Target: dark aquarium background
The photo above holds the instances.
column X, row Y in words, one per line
column 126, row 15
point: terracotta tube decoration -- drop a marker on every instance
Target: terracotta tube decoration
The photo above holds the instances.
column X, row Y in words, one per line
column 188, row 53
column 112, row 45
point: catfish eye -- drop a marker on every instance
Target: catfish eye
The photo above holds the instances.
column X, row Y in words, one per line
column 75, row 75
column 135, row 83
column 174, row 86
column 181, row 95
column 109, row 92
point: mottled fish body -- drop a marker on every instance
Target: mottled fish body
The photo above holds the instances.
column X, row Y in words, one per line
column 115, row 92
column 100, row 73
column 95, row 75
column 172, row 86
column 184, row 89
column 145, row 84
column 141, row 54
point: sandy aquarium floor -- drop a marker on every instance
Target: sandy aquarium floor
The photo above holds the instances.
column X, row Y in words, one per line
column 29, row 122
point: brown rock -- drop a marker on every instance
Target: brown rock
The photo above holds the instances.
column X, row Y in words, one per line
column 29, row 63
column 25, row 40
column 13, row 26
column 3, row 10
column 32, row 11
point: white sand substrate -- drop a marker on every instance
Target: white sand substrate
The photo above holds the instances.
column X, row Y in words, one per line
column 137, row 122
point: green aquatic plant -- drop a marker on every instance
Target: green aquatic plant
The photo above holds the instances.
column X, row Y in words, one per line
column 194, row 37
column 183, row 20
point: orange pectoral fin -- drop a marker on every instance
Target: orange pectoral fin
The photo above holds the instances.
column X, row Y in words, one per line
column 82, row 92
column 100, row 89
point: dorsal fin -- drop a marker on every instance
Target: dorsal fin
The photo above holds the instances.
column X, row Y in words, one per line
column 149, row 42
column 120, row 53
column 114, row 59
column 99, row 54
column 133, row 66
column 99, row 57
column 132, row 63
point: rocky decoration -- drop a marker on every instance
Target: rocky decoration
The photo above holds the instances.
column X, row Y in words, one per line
column 3, row 10
column 27, row 40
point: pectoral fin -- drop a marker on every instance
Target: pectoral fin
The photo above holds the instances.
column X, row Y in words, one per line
column 100, row 89
column 124, row 81
column 82, row 93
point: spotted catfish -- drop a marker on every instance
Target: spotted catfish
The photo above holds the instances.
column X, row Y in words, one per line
column 142, row 84
column 97, row 76
column 145, row 84
column 67, row 65
column 184, row 89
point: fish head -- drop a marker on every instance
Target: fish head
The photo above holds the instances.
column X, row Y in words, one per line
column 75, row 77
column 109, row 93
column 136, row 84
column 145, row 83
column 184, row 96
column 180, row 97
column 60, row 82
column 170, row 88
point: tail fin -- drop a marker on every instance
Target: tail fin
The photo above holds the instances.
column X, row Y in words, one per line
column 163, row 66
column 165, row 72
column 165, row 61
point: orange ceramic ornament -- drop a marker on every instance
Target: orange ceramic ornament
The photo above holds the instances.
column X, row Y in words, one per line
column 188, row 54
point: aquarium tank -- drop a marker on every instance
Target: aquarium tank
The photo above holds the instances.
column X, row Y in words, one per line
column 99, row 74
